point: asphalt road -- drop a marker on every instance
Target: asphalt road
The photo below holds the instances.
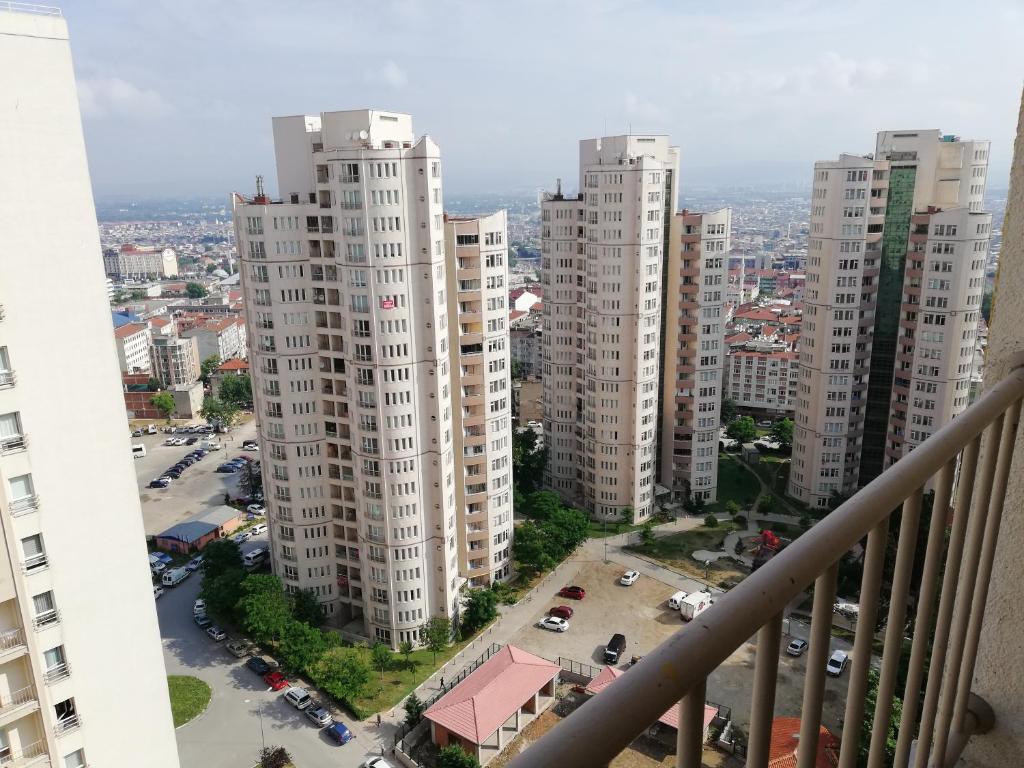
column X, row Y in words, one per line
column 243, row 712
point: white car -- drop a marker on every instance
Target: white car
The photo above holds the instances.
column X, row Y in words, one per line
column 257, row 529
column 256, row 509
column 796, row 647
column 629, row 578
column 837, row 663
column 554, row 624
column 194, row 564
column 199, row 607
column 240, row 537
column 157, row 591
column 298, row 697
column 216, row 632
column 376, row 762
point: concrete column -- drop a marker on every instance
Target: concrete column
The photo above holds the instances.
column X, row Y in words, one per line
column 500, row 729
column 995, row 677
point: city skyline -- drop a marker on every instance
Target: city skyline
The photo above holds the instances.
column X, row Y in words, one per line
column 787, row 86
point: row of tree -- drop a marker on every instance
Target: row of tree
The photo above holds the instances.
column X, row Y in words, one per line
column 549, row 535
column 744, row 430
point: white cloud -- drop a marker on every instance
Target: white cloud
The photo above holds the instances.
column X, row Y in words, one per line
column 113, row 97
column 390, row 75
column 643, row 109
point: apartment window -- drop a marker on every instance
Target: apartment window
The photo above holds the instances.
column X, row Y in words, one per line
column 33, row 552
column 11, row 437
column 55, row 664
column 21, row 489
column 349, row 173
column 45, row 610
column 6, row 374
column 75, row 760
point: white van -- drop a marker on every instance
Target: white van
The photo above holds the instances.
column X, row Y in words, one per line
column 253, row 557
column 210, row 445
column 138, row 451
column 677, row 600
column 692, row 606
column 151, row 429
column 174, row 577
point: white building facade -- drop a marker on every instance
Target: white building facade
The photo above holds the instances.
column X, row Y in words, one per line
column 895, row 270
column 602, row 261
column 132, row 342
column 79, row 687
column 348, row 299
column 134, row 262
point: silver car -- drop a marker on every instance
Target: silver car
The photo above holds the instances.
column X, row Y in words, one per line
column 318, row 715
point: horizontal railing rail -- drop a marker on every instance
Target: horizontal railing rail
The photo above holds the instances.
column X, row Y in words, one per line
column 968, row 458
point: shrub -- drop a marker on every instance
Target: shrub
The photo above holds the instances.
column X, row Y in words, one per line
column 414, row 709
column 740, row 520
column 711, row 521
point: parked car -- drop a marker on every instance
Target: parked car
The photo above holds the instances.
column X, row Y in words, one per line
column 837, row 663
column 240, row 537
column 615, row 648
column 276, row 680
column 376, row 762
column 216, row 633
column 227, row 469
column 151, row 429
column 629, row 578
column 573, row 593
column 137, row 433
column 554, row 623
column 298, row 697
column 194, row 564
column 317, row 713
column 257, row 665
column 339, row 732
column 170, row 441
column 254, row 557
column 257, row 529
column 198, row 607
column 157, row 591
column 202, row 620
column 192, row 441
column 256, row 509
column 157, row 568
column 240, row 648
column 159, row 482
column 561, row 611
column 796, row 647
column 174, row 577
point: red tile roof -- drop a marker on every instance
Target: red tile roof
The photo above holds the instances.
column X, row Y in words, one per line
column 515, row 314
column 738, row 338
column 757, row 315
column 476, row 707
column 537, row 306
column 234, row 364
column 159, row 322
column 786, row 736
column 609, row 675
column 129, row 330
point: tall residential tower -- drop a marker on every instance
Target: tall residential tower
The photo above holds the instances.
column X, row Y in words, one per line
column 82, row 677
column 603, row 255
column 895, row 278
column 376, row 504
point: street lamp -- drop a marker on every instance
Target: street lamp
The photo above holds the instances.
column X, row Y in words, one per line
column 259, row 709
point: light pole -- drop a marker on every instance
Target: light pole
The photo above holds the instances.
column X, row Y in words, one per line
column 259, row 709
column 604, row 529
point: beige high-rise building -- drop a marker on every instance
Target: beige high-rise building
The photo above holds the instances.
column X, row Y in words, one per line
column 357, row 374
column 174, row 360
column 82, row 679
column 691, row 402
column 895, row 279
column 602, row 262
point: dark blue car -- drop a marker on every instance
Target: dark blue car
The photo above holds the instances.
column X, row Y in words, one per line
column 339, row 733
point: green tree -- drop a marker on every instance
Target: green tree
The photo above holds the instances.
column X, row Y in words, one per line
column 306, row 608
column 207, row 367
column 195, row 290
column 625, row 517
column 382, row 658
column 782, row 432
column 481, row 609
column 218, row 412
column 342, row 672
column 274, row 757
column 250, row 481
column 164, row 403
column 414, row 709
column 153, row 385
column 236, row 390
column 710, row 521
column 406, row 648
column 437, row 633
column 742, row 429
column 517, row 371
column 732, row 508
column 765, row 504
column 728, row 410
column 265, row 608
column 986, row 306
column 530, row 549
column 647, row 533
column 452, row 756
column 567, row 528
column 223, row 591
column 892, row 733
column 301, row 645
column 219, row 557
column 527, row 461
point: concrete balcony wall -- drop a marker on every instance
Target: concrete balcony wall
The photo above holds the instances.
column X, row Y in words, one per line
column 997, row 676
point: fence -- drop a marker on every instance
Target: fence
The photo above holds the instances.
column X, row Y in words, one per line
column 577, row 669
column 492, row 649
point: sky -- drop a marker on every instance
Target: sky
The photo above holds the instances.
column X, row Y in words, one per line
column 177, row 95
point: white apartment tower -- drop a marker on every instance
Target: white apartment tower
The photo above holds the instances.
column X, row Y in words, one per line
column 895, row 278
column 348, row 300
column 697, row 280
column 477, row 251
column 603, row 257
column 71, row 679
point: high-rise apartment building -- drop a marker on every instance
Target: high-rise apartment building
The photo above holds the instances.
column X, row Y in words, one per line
column 82, row 676
column 477, row 272
column 174, row 360
column 137, row 262
column 376, row 503
column 696, row 282
column 895, row 278
column 603, row 267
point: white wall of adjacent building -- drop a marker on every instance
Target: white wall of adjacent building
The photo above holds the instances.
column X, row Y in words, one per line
column 74, row 552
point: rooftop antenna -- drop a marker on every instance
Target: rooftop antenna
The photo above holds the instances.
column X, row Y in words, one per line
column 558, row 188
column 259, row 186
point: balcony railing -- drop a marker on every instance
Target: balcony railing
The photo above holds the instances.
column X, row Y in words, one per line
column 24, row 505
column 46, row 619
column 68, row 724
column 16, row 698
column 7, row 379
column 13, row 444
column 967, row 463
column 59, row 672
column 35, row 563
column 27, row 754
column 11, row 639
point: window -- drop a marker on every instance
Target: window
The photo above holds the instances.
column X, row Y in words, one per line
column 32, row 549
column 75, row 760
column 45, row 610
column 21, row 487
column 55, row 663
column 6, row 374
column 11, row 438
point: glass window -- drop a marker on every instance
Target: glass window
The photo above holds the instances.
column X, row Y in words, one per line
column 54, row 657
column 75, row 760
column 21, row 487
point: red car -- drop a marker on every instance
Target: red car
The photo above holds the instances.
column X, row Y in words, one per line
column 561, row 611
column 574, row 593
column 276, row 681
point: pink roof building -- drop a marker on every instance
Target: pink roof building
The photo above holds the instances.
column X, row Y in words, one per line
column 476, row 713
column 609, row 675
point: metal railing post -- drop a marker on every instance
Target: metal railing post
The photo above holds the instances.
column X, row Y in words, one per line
column 690, row 735
column 817, row 656
column 762, row 707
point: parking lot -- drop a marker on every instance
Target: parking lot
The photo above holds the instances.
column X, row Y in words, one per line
column 199, row 487
column 641, row 613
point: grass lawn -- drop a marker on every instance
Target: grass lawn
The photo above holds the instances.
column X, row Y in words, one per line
column 600, row 530
column 734, row 484
column 677, row 550
column 400, row 679
column 189, row 697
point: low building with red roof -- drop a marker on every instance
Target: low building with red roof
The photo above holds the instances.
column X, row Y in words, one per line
column 494, row 703
column 609, row 675
column 785, row 741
